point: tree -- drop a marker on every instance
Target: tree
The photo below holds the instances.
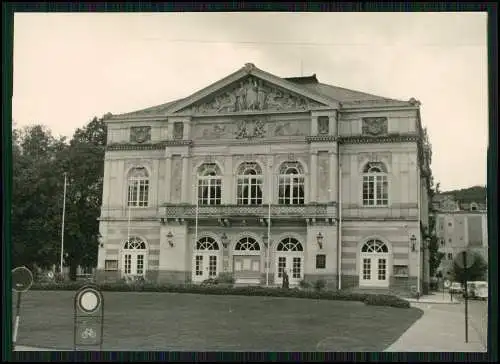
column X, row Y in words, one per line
column 477, row 272
column 36, row 196
column 84, row 164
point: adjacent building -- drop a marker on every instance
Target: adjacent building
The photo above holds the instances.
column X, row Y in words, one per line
column 257, row 174
column 459, row 227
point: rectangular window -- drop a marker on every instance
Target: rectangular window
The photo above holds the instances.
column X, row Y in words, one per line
column 199, row 265
column 296, row 267
column 249, row 191
column 138, row 192
column 281, row 266
column 375, row 191
column 367, row 269
column 111, row 265
column 212, row 266
column 128, row 264
column 140, row 264
column 382, row 269
column 209, row 191
column 450, row 256
column 320, row 261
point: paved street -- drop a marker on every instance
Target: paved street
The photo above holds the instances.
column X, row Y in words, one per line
column 442, row 328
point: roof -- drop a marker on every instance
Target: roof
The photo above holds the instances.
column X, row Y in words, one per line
column 310, row 84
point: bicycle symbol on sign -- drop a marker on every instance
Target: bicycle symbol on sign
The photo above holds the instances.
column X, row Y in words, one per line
column 89, row 333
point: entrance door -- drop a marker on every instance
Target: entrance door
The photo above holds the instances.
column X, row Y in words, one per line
column 293, row 266
column 374, row 271
column 133, row 264
column 205, row 267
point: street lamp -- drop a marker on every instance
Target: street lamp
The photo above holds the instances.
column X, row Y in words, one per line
column 319, row 239
column 413, row 243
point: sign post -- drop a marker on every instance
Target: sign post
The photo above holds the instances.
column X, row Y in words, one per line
column 22, row 279
column 88, row 317
column 466, row 261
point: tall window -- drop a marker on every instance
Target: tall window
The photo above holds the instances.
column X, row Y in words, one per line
column 291, row 184
column 134, row 256
column 138, row 187
column 249, row 184
column 375, row 185
column 209, row 184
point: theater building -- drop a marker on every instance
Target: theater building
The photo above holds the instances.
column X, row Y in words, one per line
column 256, row 174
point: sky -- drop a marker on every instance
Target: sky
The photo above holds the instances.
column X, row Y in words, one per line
column 70, row 67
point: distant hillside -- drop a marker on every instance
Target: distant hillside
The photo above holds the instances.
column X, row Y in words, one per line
column 471, row 194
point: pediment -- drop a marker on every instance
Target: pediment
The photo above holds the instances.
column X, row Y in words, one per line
column 252, row 91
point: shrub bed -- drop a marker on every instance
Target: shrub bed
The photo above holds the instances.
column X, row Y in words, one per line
column 224, row 289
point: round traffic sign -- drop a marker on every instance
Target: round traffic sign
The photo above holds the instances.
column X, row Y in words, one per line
column 22, row 279
column 467, row 262
column 50, row 275
column 89, row 300
column 447, row 284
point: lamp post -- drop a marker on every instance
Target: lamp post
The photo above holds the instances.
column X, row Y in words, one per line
column 265, row 239
column 62, row 224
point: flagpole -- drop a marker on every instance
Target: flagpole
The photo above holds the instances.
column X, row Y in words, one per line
column 129, row 206
column 62, row 225
column 268, row 224
column 196, row 216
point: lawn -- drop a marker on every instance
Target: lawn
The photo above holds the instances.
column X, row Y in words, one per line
column 189, row 322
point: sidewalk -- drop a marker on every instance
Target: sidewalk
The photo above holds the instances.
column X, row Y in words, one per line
column 435, row 298
column 33, row 348
column 438, row 330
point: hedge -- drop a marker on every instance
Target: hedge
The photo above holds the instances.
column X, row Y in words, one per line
column 367, row 298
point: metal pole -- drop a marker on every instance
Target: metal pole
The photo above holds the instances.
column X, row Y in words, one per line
column 196, row 215
column 268, row 224
column 62, row 225
column 419, row 250
column 340, row 226
column 466, row 298
column 130, row 191
column 16, row 325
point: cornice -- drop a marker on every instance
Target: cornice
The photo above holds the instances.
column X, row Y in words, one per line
column 148, row 146
column 321, row 139
column 392, row 138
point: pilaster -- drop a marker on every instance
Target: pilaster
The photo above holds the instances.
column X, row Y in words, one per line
column 314, row 177
column 334, row 175
column 186, row 185
column 168, row 177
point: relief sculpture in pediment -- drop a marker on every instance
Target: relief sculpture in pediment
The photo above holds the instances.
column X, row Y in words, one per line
column 253, row 94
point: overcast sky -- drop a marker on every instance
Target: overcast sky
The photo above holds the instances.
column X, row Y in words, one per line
column 71, row 67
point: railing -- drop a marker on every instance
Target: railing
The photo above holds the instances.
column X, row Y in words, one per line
column 323, row 210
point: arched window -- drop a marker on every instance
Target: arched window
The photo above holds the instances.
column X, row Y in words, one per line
column 375, row 185
column 138, row 187
column 291, row 184
column 374, row 246
column 247, row 244
column 134, row 257
column 207, row 243
column 289, row 245
column 209, row 184
column 249, row 184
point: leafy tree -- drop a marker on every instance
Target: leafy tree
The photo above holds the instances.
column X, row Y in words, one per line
column 477, row 272
column 36, row 196
column 84, row 164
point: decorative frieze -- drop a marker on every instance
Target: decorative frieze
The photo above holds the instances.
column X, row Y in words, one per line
column 253, row 94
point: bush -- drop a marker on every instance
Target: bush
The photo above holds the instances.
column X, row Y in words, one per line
column 320, row 284
column 304, row 284
column 386, row 300
column 223, row 289
column 225, row 278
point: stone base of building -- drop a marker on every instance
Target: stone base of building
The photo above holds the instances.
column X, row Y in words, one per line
column 329, row 279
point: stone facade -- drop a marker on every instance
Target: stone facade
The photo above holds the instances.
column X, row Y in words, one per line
column 257, row 174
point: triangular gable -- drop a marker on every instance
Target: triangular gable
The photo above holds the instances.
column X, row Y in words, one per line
column 251, row 89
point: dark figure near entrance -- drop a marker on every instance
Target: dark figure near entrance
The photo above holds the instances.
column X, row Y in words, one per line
column 285, row 279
